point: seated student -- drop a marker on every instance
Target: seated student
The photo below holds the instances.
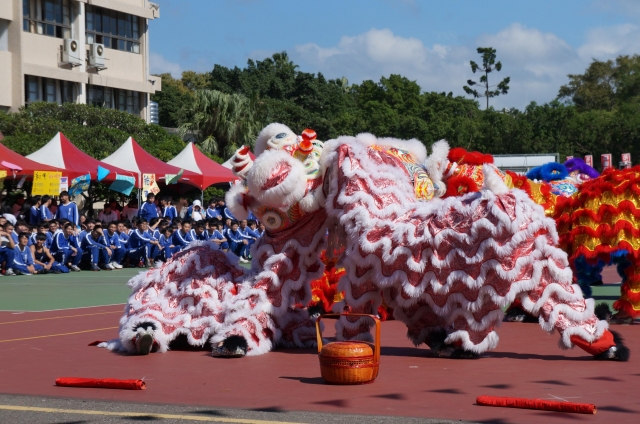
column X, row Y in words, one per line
column 95, row 253
column 22, row 259
column 20, row 227
column 154, row 233
column 65, row 247
column 88, row 227
column 182, row 237
column 140, row 244
column 42, row 256
column 177, row 221
column 42, row 228
column 212, row 211
column 255, row 227
column 168, row 210
column 7, row 248
column 45, row 213
column 250, row 235
column 34, row 211
column 238, row 242
column 199, row 231
column 214, row 235
column 123, row 234
column 68, row 209
column 166, row 243
column 54, row 229
column 112, row 240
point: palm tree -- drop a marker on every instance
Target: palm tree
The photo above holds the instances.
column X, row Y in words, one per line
column 221, row 122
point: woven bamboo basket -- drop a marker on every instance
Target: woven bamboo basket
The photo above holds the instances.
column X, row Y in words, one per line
column 349, row 362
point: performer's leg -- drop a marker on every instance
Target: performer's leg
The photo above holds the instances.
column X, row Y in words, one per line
column 628, row 306
column 588, row 274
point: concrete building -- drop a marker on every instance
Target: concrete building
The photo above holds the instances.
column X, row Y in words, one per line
column 82, row 51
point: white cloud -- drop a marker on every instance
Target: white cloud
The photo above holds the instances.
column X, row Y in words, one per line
column 159, row 65
column 610, row 42
column 537, row 62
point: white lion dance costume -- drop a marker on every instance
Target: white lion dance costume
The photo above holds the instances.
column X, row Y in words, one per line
column 446, row 266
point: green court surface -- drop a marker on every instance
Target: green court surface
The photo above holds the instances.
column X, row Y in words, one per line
column 64, row 291
column 607, row 293
column 86, row 288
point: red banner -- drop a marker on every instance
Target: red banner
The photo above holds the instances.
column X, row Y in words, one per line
column 605, row 161
column 589, row 160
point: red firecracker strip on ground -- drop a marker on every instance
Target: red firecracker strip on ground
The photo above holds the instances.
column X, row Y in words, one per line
column 545, row 405
column 101, row 383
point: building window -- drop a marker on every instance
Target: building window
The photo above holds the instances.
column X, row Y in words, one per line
column 48, row 90
column 116, row 30
column 47, row 17
column 114, row 98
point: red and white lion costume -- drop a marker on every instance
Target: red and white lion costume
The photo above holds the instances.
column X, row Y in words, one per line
column 446, row 266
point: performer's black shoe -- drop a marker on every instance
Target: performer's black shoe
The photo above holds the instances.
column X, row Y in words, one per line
column 619, row 352
column 232, row 347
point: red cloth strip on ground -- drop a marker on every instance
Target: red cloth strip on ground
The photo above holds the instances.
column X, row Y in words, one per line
column 101, row 383
column 545, row 405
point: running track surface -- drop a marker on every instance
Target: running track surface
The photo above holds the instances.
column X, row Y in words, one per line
column 36, row 348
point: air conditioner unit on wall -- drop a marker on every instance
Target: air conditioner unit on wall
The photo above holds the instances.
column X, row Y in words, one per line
column 71, row 52
column 96, row 56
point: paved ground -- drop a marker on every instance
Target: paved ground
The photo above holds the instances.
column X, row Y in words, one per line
column 37, row 347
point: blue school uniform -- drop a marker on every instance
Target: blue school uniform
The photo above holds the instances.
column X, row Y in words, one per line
column 140, row 245
column 118, row 253
column 45, row 213
column 217, row 235
column 213, row 213
column 34, row 215
column 180, row 241
column 70, row 212
column 166, row 243
column 236, row 245
column 61, row 249
column 228, row 214
column 170, row 212
column 148, row 211
column 14, row 236
column 22, row 259
column 7, row 256
column 94, row 251
column 124, row 240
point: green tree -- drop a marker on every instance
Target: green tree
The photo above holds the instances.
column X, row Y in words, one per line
column 221, row 122
column 489, row 65
column 604, row 85
column 172, row 100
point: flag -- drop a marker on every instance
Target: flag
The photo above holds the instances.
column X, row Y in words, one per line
column 173, row 178
column 79, row 185
column 123, row 184
column 102, row 173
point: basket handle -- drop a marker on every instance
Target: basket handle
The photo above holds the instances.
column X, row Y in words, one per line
column 376, row 354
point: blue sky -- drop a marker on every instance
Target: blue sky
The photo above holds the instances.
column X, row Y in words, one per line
column 539, row 42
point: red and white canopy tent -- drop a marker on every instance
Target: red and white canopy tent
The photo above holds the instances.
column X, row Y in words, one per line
column 211, row 172
column 61, row 153
column 132, row 157
column 18, row 166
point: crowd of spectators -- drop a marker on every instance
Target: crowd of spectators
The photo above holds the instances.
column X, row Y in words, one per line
column 40, row 235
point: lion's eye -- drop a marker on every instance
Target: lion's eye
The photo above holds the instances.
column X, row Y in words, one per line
column 281, row 135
